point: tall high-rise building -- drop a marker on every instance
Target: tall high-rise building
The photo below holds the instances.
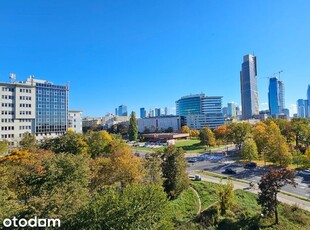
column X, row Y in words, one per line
column 167, row 112
column 142, row 113
column 276, row 97
column 122, row 110
column 157, row 112
column 301, row 107
column 308, row 99
column 231, row 109
column 248, row 82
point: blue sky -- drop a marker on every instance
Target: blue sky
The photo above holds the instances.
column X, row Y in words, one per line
column 150, row 53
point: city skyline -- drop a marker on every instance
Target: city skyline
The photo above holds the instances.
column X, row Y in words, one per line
column 148, row 54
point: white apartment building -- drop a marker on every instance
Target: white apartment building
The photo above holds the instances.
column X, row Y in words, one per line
column 75, row 121
column 18, row 111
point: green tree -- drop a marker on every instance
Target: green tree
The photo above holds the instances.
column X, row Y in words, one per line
column 306, row 158
column 225, row 196
column 238, row 133
column 249, row 150
column 153, row 168
column 70, row 142
column 28, row 142
column 99, row 143
column 301, row 128
column 174, row 171
column 207, row 136
column 269, row 185
column 63, row 187
column 133, row 207
column 133, row 127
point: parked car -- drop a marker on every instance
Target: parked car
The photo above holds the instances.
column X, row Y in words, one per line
column 191, row 160
column 304, row 173
column 250, row 165
column 230, row 171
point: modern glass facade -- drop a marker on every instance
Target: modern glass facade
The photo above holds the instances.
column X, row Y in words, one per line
column 189, row 105
column 142, row 113
column 302, row 107
column 276, row 97
column 231, row 109
column 308, row 99
column 200, row 111
column 248, row 82
column 51, row 108
column 122, row 110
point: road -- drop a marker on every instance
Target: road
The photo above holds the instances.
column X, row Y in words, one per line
column 221, row 162
column 244, row 186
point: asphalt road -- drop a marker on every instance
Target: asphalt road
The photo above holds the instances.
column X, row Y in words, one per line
column 219, row 165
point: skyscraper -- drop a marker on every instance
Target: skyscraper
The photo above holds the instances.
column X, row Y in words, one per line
column 231, row 109
column 142, row 113
column 122, row 110
column 301, row 107
column 157, row 112
column 276, row 97
column 308, row 99
column 248, row 82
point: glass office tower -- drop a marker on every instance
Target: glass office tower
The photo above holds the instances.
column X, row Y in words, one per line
column 51, row 108
column 276, row 97
column 189, row 105
column 248, row 82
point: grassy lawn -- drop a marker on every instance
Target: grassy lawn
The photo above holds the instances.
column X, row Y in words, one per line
column 245, row 214
column 206, row 191
column 185, row 207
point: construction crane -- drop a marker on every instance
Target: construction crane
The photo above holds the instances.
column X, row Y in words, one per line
column 278, row 74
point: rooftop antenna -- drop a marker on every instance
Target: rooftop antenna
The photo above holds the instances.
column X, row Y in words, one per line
column 12, row 77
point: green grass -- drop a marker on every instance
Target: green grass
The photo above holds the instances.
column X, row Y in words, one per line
column 206, row 191
column 245, row 213
column 185, row 207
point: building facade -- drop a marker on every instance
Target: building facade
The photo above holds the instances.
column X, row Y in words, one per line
column 189, row 105
column 200, row 111
column 142, row 113
column 160, row 124
column 276, row 97
column 248, row 82
column 51, row 108
column 157, row 112
column 231, row 109
column 75, row 121
column 308, row 99
column 302, row 108
column 17, row 115
column 34, row 106
column 122, row 110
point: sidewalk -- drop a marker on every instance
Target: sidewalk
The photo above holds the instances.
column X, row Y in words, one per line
column 245, row 186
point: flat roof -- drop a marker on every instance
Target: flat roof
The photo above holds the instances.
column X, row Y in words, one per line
column 165, row 135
